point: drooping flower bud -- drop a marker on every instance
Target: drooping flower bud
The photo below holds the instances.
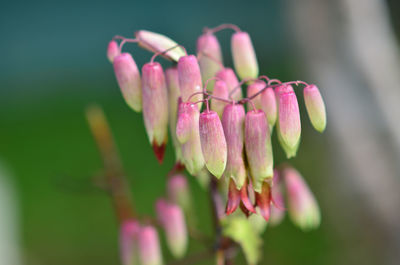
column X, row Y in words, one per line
column 263, row 200
column 171, row 76
column 289, row 126
column 244, row 56
column 179, row 193
column 221, row 91
column 149, row 246
column 172, row 220
column 128, row 242
column 213, row 143
column 155, row 42
column 112, row 50
column 252, row 89
column 155, row 107
column 233, row 124
column 268, row 102
column 303, row 208
column 229, row 76
column 258, row 148
column 187, row 132
column 277, row 207
column 315, row 107
column 190, row 78
column 128, row 78
column 210, row 57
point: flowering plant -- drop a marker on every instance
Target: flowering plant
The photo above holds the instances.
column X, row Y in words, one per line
column 228, row 149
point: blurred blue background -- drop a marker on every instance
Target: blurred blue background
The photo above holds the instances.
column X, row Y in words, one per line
column 54, row 64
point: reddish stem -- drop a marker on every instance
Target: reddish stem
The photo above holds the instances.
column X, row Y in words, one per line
column 222, row 27
column 125, row 40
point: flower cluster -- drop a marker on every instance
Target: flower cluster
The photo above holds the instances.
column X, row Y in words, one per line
column 216, row 130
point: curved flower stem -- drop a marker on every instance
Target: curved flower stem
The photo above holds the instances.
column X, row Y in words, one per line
column 117, row 184
column 222, row 27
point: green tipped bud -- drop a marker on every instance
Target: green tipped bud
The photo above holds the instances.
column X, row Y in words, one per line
column 213, row 143
column 244, row 56
column 158, row 43
column 315, row 107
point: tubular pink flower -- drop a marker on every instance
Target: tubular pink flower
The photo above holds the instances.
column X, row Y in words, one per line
column 315, row 107
column 268, row 105
column 213, row 143
column 244, row 56
column 303, row 208
column 155, row 107
column 258, row 148
column 233, row 124
column 128, row 242
column 190, row 78
column 171, row 76
column 229, row 76
column 155, row 42
column 112, row 50
column 149, row 246
column 178, row 191
column 172, row 220
column 128, row 78
column 210, row 57
column 277, row 207
column 188, row 134
column 252, row 89
column 221, row 91
column 289, row 128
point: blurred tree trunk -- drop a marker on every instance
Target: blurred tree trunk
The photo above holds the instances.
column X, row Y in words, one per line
column 348, row 49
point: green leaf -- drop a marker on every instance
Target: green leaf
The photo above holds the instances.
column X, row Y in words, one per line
column 240, row 230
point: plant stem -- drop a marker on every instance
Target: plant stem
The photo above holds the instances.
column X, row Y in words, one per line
column 116, row 182
column 223, row 243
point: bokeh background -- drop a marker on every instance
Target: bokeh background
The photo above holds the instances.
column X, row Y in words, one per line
column 53, row 64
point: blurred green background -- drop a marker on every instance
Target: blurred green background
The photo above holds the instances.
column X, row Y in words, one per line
column 53, row 64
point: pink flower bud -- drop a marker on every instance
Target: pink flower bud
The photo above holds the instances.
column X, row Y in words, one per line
column 128, row 242
column 112, row 50
column 221, row 91
column 289, row 126
column 190, row 78
column 268, row 105
column 228, row 75
column 303, row 208
column 155, row 107
column 178, row 192
column 252, row 89
column 155, row 42
column 258, row 148
column 278, row 205
column 149, row 246
column 210, row 56
column 233, row 124
column 172, row 220
column 213, row 143
column 187, row 132
column 128, row 78
column 244, row 56
column 263, row 200
column 315, row 107
column 171, row 76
